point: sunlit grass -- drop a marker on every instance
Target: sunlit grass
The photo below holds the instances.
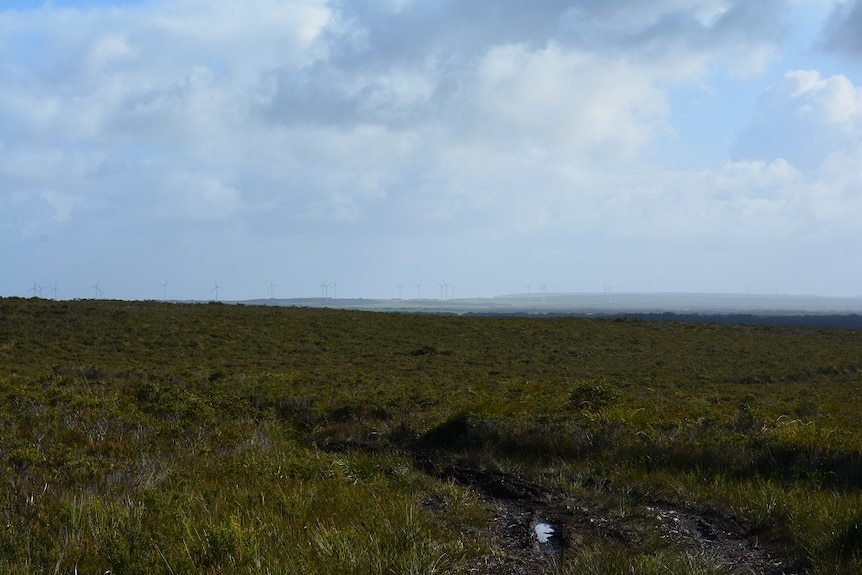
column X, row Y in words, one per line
column 609, row 559
column 254, row 503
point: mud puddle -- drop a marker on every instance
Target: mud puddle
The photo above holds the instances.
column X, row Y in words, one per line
column 536, row 527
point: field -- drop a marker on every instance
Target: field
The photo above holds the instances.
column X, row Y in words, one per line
column 149, row 437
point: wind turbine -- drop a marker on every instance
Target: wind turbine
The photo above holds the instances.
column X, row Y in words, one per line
column 271, row 286
column 35, row 289
column 215, row 289
column 334, row 286
column 529, row 287
column 399, row 289
column 55, row 290
column 544, row 291
column 164, row 287
column 444, row 290
column 418, row 290
column 96, row 287
column 608, row 288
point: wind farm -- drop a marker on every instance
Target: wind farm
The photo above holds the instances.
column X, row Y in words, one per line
column 544, row 301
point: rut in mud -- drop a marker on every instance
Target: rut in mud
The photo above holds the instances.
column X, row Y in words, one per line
column 518, row 506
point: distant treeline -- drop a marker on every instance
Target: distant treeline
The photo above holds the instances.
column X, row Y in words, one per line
column 846, row 321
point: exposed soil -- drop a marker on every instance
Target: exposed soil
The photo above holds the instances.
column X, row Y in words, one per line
column 518, row 505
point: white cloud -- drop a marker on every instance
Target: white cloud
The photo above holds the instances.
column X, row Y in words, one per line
column 201, row 197
column 411, row 127
column 575, row 103
column 40, row 168
column 111, row 48
column 62, row 204
column 804, row 120
column 835, row 97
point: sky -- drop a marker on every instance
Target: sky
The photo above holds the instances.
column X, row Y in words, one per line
column 157, row 148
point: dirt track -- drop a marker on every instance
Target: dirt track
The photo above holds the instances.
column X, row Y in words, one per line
column 517, row 505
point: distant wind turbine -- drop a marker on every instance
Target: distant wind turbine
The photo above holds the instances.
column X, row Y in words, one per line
column 216, row 290
column 55, row 290
column 97, row 290
column 164, row 287
column 444, row 290
column 271, row 287
column 418, row 290
column 399, row 289
column 36, row 289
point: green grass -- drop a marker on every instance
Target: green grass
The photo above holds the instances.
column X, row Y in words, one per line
column 147, row 437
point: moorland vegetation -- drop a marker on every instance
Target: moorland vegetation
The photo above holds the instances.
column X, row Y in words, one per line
column 150, row 437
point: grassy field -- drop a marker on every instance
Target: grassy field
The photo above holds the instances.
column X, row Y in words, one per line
column 147, row 437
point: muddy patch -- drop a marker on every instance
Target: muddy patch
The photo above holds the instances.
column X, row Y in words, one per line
column 536, row 527
column 730, row 542
column 522, row 512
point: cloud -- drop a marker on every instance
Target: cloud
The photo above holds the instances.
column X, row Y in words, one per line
column 62, row 204
column 519, row 134
column 323, row 95
column 391, row 62
column 740, row 36
column 804, row 120
column 747, row 199
column 200, row 197
column 574, row 103
column 840, row 32
column 108, row 50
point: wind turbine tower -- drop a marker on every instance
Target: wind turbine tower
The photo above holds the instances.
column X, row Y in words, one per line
column 164, row 287
column 608, row 288
column 418, row 290
column 444, row 290
column 216, row 290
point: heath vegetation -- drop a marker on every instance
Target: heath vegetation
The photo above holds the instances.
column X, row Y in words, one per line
column 149, row 437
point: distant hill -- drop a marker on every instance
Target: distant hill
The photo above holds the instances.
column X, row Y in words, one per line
column 723, row 308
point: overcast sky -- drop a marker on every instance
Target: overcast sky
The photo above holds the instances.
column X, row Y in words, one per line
column 155, row 147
